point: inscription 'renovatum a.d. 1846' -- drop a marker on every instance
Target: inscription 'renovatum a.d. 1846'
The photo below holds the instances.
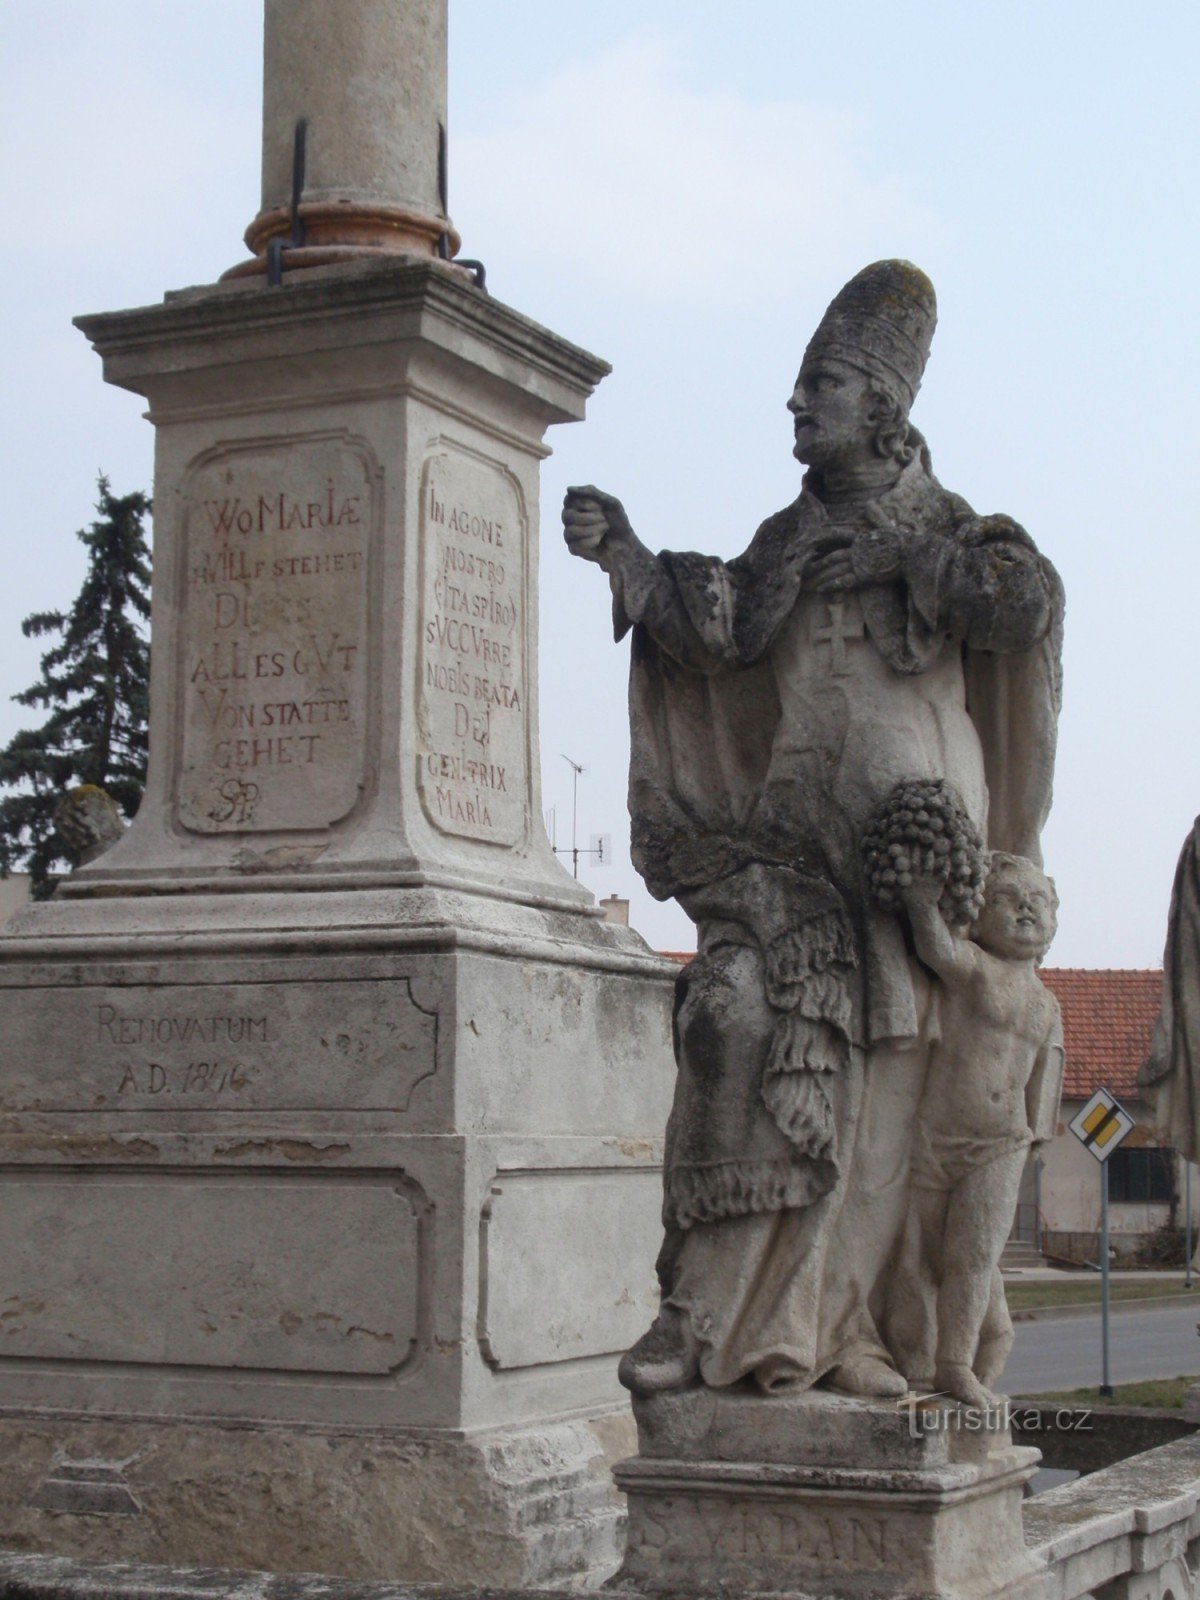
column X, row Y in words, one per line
column 325, row 1044
column 274, row 646
column 472, row 768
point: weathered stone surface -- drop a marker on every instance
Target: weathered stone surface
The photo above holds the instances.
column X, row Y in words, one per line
column 26, row 1577
column 292, row 1041
column 346, row 580
column 473, row 757
column 827, row 735
column 366, row 1255
column 280, row 549
column 992, row 1088
column 852, row 1513
column 87, row 819
column 599, row 1292
column 1127, row 1532
column 197, row 1269
column 817, row 1429
column 314, row 1079
column 376, row 150
column 524, row 1507
column 374, row 159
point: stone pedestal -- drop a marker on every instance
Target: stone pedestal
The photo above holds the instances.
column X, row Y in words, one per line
column 821, row 1494
column 330, row 1105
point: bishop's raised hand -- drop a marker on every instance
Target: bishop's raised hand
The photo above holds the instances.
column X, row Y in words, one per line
column 592, row 522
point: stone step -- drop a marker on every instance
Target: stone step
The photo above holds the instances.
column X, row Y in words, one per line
column 1019, row 1254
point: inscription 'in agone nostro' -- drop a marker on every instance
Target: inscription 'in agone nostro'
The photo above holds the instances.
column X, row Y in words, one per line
column 472, row 769
column 274, row 638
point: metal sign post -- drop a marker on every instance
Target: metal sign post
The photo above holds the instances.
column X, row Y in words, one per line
column 1100, row 1127
column 1187, row 1206
column 1105, row 1370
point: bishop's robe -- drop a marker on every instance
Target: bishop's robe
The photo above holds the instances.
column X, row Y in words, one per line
column 767, row 720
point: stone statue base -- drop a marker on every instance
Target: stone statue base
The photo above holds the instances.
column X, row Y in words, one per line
column 328, row 1103
column 281, row 1300
column 820, row 1494
column 525, row 1506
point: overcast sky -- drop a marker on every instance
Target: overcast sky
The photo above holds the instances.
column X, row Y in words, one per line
column 681, row 186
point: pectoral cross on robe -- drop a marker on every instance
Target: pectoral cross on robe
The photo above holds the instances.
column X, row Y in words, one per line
column 839, row 630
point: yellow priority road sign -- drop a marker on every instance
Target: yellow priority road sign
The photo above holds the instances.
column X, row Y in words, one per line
column 1102, row 1124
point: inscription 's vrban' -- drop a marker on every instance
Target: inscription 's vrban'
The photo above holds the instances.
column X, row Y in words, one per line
column 472, row 768
column 856, row 1541
column 274, row 637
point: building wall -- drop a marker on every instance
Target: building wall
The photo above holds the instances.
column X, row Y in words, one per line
column 1070, row 1180
column 1070, row 1192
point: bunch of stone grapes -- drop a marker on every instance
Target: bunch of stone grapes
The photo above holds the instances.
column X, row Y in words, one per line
column 922, row 830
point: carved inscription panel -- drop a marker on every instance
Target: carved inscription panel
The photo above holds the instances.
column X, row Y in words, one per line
column 337, row 1045
column 779, row 1541
column 605, row 1296
column 274, row 637
column 255, row 1271
column 472, row 763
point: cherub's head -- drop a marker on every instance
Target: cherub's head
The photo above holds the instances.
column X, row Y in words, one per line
column 1020, row 909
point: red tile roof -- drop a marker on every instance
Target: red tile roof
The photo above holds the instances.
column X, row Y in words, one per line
column 1108, row 1017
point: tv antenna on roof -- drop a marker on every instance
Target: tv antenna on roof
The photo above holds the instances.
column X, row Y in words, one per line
column 601, row 845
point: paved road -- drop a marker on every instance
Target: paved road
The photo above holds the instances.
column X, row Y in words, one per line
column 1064, row 1353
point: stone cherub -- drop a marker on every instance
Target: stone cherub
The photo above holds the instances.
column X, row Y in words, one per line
column 991, row 1090
column 876, row 630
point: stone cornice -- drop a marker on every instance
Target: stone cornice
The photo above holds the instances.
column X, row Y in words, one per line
column 360, row 295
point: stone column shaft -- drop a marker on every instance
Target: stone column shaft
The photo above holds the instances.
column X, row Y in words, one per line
column 369, row 79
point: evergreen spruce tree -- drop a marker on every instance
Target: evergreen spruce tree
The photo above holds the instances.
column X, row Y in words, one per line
column 95, row 684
